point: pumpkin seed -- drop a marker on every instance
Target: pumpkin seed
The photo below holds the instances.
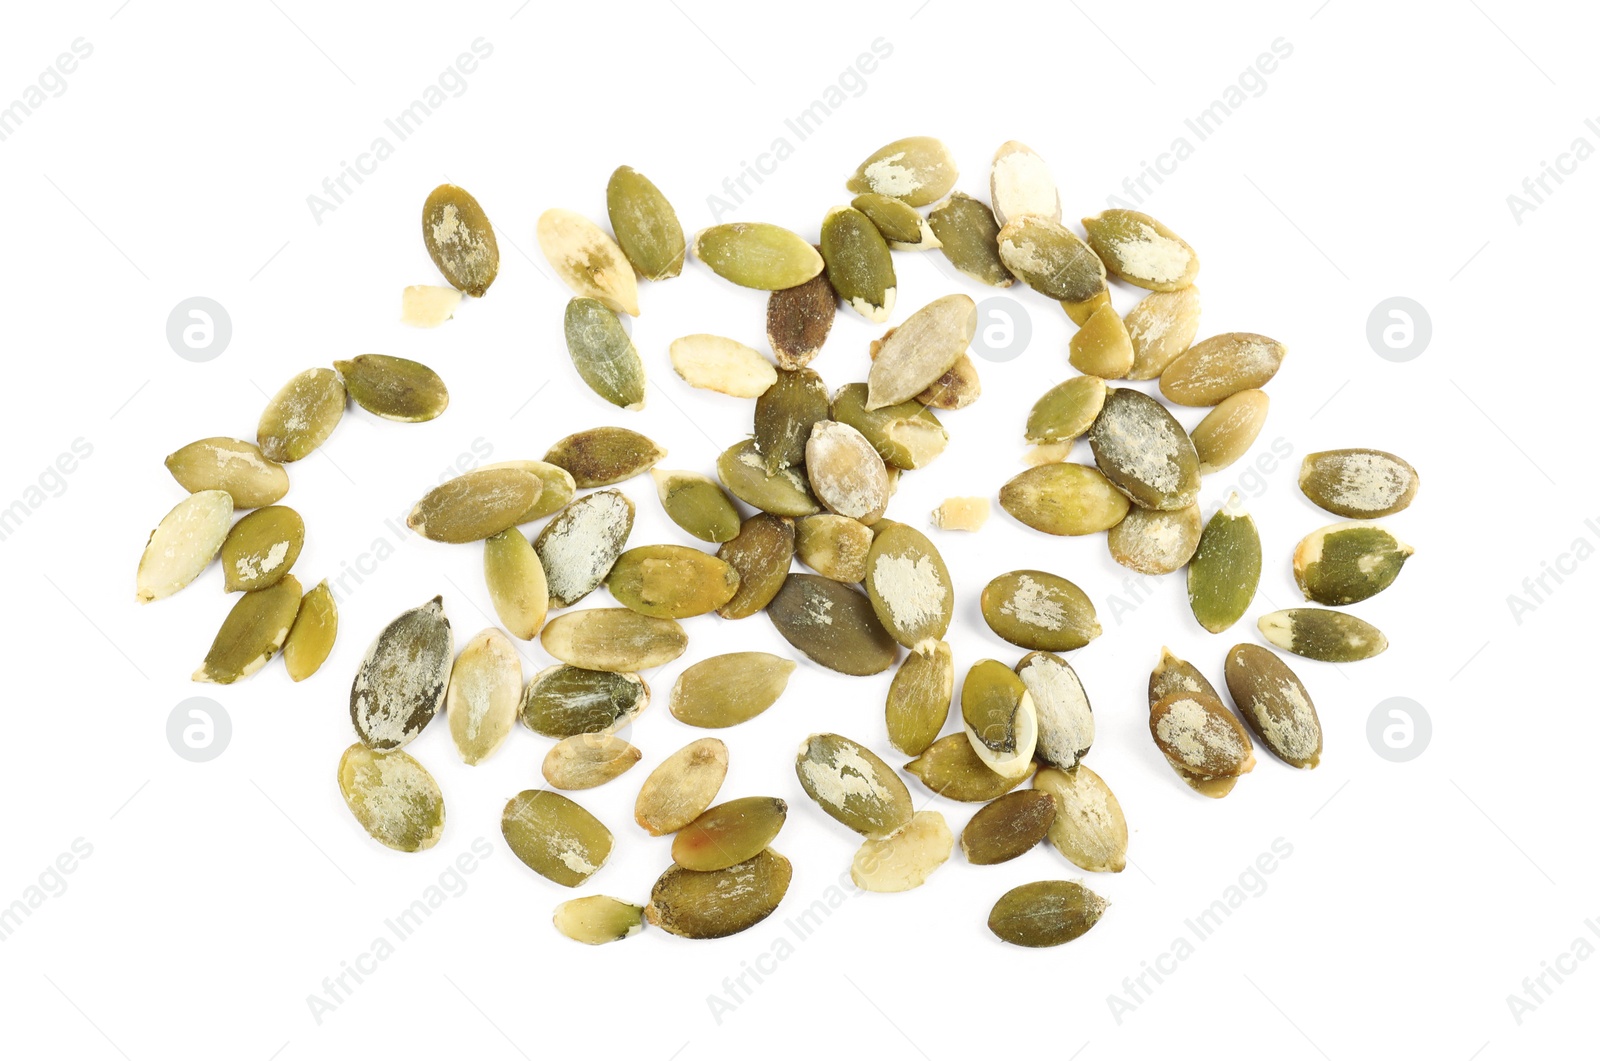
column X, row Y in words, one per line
column 760, row 553
column 1215, row 368
column 1161, row 327
column 729, row 833
column 1088, row 828
column 613, row 639
column 1066, row 410
column 901, row 226
column 427, row 305
column 588, row 760
column 906, row 858
column 1228, row 431
column 555, row 837
column 555, row 494
column 951, row 768
column 402, row 679
column 858, row 263
column 961, row 513
column 1020, row 184
column 782, row 493
column 697, row 504
column 1153, row 542
column 393, row 796
column 578, row 547
column 1196, row 732
column 1064, row 499
column 1358, row 483
column 481, row 701
column 587, row 261
column 261, row 548
column 475, row 505
column 919, row 351
column 603, row 354
column 958, row 388
column 1174, row 676
column 1145, row 452
column 917, row 170
column 1225, row 569
column 646, row 225
column 845, row 472
column 565, row 701
column 254, row 629
column 852, row 785
column 1066, row 722
column 729, row 689
column 597, row 919
column 713, row 363
column 310, row 639
column 909, row 586
column 394, row 388
column 799, row 319
column 832, row 624
column 1141, row 251
column 785, row 415
column 1045, row 913
column 604, row 456
column 1038, row 610
column 720, row 903
column 969, row 236
column 1345, row 563
column 1048, row 453
column 1008, row 827
column 516, row 582
column 233, row 466
column 671, row 581
column 1275, row 705
column 1320, row 634
column 460, row 239
column 1051, row 259
column 998, row 715
column 835, row 547
column 183, row 544
column 919, row 697
column 1100, row 346
column 906, row 435
column 765, row 257
column 682, row 787
column 301, row 416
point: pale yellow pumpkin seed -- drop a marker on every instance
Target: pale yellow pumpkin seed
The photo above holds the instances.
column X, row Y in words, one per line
column 906, row 858
column 1215, row 368
column 394, row 798
column 183, row 544
column 587, row 261
column 597, row 919
column 515, row 578
column 845, row 472
column 1161, row 327
column 1066, row 721
column 729, row 689
column 588, row 760
column 310, row 640
column 682, row 787
column 713, row 363
column 919, row 351
column 961, row 514
column 229, row 464
column 613, row 639
column 1020, row 184
column 1229, row 430
column 483, row 696
column 1153, row 542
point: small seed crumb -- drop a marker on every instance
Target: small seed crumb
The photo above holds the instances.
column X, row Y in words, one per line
column 427, row 305
column 961, row 513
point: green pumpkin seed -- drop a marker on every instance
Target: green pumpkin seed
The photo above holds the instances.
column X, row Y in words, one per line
column 1161, row 327
column 1174, row 676
column 1141, row 251
column 1145, row 452
column 969, row 236
column 427, row 305
column 1222, row 365
column 555, row 494
column 1066, row 721
column 919, row 351
column 605, row 456
column 1345, row 563
column 1229, row 430
column 254, row 629
column 713, row 363
column 682, row 787
column 578, row 547
column 729, row 833
column 1275, row 704
column 901, row 226
column 1153, row 542
column 909, row 586
column 760, row 553
column 1020, row 184
column 1358, row 483
column 565, row 701
column 1100, row 346
column 587, row 261
column 1088, row 829
column 783, row 493
column 697, row 504
column 402, row 680
column 460, row 239
column 613, row 639
column 957, row 388
column 597, row 919
column 671, row 581
column 475, row 505
column 261, row 548
column 765, row 257
column 1040, row 611
column 1051, row 259
column 646, row 225
column 1194, row 731
column 1226, row 568
column 555, row 837
column 720, row 903
column 1320, row 634
column 784, row 417
column 832, row 624
column 1066, row 410
column 1064, row 499
column 799, row 319
column 394, row 388
column 852, row 785
column 482, row 699
column 906, row 858
column 301, row 416
column 952, row 769
column 311, row 638
column 394, row 798
column 729, row 689
column 603, row 354
column 917, row 170
column 183, row 544
column 919, row 697
column 588, row 760
column 845, row 472
column 961, row 513
column 998, row 715
column 1079, row 312
column 1045, row 913
column 517, row 587
column 835, row 547
column 1010, row 826
column 906, row 435
column 858, row 263
column 233, row 466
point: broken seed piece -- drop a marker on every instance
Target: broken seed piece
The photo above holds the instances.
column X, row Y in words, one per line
column 597, row 919
column 428, row 305
column 961, row 514
column 906, row 858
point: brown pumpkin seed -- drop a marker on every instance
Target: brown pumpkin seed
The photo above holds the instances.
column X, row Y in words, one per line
column 588, row 760
column 481, row 701
column 713, row 363
column 394, row 388
column 555, row 837
column 646, row 225
column 917, row 170
column 852, row 785
column 311, row 638
column 671, row 581
column 1320, row 634
column 1038, row 610
column 605, row 456
column 835, row 547
column 1215, row 368
column 998, row 715
column 1100, row 346
column 1064, row 499
column 832, row 624
column 958, row 388
column 760, row 553
column 475, row 505
column 603, row 354
column 261, row 548
column 909, row 586
column 762, row 256
column 1140, row 250
column 597, row 919
column 301, row 416
column 1088, row 829
column 586, row 260
column 858, row 263
column 1161, row 327
column 1228, row 431
column 1145, row 452
column 1020, row 184
column 1196, row 732
column 906, row 858
column 1275, row 705
column 783, row 493
column 729, row 833
column 1066, row 722
column 720, row 903
column 1225, row 569
column 1344, row 563
column 799, row 319
column 968, row 235
column 729, row 689
column 1153, row 542
column 183, row 544
column 784, row 417
column 919, row 697
column 1045, row 913
column 578, row 547
column 919, row 351
column 254, row 629
column 565, row 701
column 613, row 639
column 1010, row 826
column 515, row 579
column 230, row 465
column 402, row 680
column 394, row 798
column 952, row 769
column 460, row 239
column 1358, row 483
column 682, row 787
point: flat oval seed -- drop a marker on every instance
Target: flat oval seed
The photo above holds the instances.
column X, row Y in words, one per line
column 233, row 466
column 1275, row 705
column 906, row 858
column 1229, row 430
column 183, row 544
column 671, row 581
column 1358, row 483
column 1051, row 259
column 952, row 769
column 254, row 629
column 729, row 833
column 597, row 919
column 515, row 579
column 682, row 787
column 1153, row 542
column 394, row 798
column 765, row 257
column 578, row 547
column 1141, row 251
column 784, row 493
column 1010, row 826
column 919, row 351
column 402, row 680
column 760, row 553
column 858, row 263
column 1066, row 722
column 1088, row 829
column 917, row 170
column 555, row 837
column 1020, row 184
column 906, row 435
column 909, row 586
column 565, row 701
column 832, row 624
column 845, row 472
column 1175, row 676
column 854, row 786
column 1066, row 410
column 484, row 692
column 613, row 639
column 968, row 235
column 1100, row 346
column 301, row 416
column 1045, row 913
column 603, row 354
column 474, row 506
column 588, row 760
column 784, row 417
column 1345, row 563
column 998, row 715
column 1317, row 633
column 1215, row 368
column 556, row 493
column 394, row 388
column 261, row 548
column 1064, row 499
column 460, row 239
column 833, row 546
column 958, row 388
column 1145, row 452
column 1161, row 327
column 720, row 903
column 697, row 504
column 900, row 225
column 646, row 225
column 311, row 638
column 587, row 261
column 1226, row 568
column 919, row 697
column 729, row 689
column 1038, row 610
column 604, row 456
column 713, row 363
column 799, row 319
column 1196, row 732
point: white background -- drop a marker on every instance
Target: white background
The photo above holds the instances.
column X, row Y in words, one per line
column 1376, row 162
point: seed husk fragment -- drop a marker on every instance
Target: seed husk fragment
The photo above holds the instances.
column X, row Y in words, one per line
column 919, row 697
column 556, row 493
column 906, row 858
column 261, row 548
column 671, row 581
column 604, row 456
column 311, row 638
column 254, row 629
column 952, row 769
column 481, row 701
column 1215, row 368
column 402, row 680
column 1161, row 327
column 957, row 388
column 1175, row 676
column 587, row 261
column 588, row 760
column 231, row 465
column 858, row 263
column 428, row 305
column 729, row 689
column 1225, row 569
column 1066, row 722
column 1275, row 705
column 460, row 239
column 475, row 505
column 1045, row 913
column 577, row 548
column 762, row 256
column 597, row 919
column 1228, row 431
column 301, row 416
column 394, row 388
column 760, row 553
column 1010, row 826
column 919, row 351
column 603, row 354
column 1194, row 731
column 1051, row 259
column 682, row 787
column 1153, row 542
column 961, row 514
column 713, row 363
column 1088, row 828
column 906, row 435
column 901, row 226
column 833, row 546
column 613, row 639
column 1066, row 410
column 1020, row 184
column 729, row 833
column 393, row 796
column 1064, row 499
column 783, row 493
column 1100, row 346
column 968, row 235
column 832, row 624
column 1346, row 562
column 555, row 837
column 854, row 786
column 845, row 472
column 1145, row 452
column 1358, row 483
column 1039, row 611
column 1140, row 250
column 799, row 319
column 998, row 715
column 646, row 225
column 565, row 701
column 1317, row 633
column 722, row 902
column 697, row 504
column 909, row 585
column 784, row 417
column 917, row 170
column 517, row 587
column 183, row 544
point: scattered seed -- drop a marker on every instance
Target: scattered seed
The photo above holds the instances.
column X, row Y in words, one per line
column 909, row 585
column 261, row 548
column 1145, row 452
column 603, row 354
column 587, row 261
column 845, row 472
column 1051, row 259
column 183, row 544
column 394, row 798
column 254, row 629
column 720, row 903
column 1039, row 611
column 858, row 263
column 682, row 787
column 1045, row 913
column 460, row 239
column 482, row 698
column 1008, row 827
column 555, row 837
column 784, row 417
column 230, row 465
column 605, row 456
column 917, row 170
column 713, row 363
column 969, row 236
column 832, row 624
column 671, row 581
column 1343, row 563
column 516, row 583
column 565, row 701
column 854, row 786
column 588, row 760
column 1101, row 346
column 613, row 639
column 475, row 505
column 1215, row 368
column 311, row 638
column 1161, row 327
column 1153, row 542
column 952, row 768
column 428, row 305
column 1229, row 430
column 1174, row 676
column 578, row 547
column 999, row 717
column 729, row 833
column 1225, row 569
column 402, row 680
column 697, row 504
column 597, row 919
column 919, row 697
column 765, row 257
column 900, row 225
column 1358, row 483
column 1064, row 499
column 1066, row 722
column 919, row 351
column 394, row 388
column 833, row 546
column 906, row 858
column 1275, row 704
column 1320, row 634
column 783, row 493
column 799, row 319
column 760, row 553
column 1141, row 251
column 556, row 493
column 301, row 416
column 1196, row 732
column 729, row 689
column 1089, row 828
column 906, row 435
column 1066, row 410
column 646, row 225
column 961, row 514
column 1020, row 184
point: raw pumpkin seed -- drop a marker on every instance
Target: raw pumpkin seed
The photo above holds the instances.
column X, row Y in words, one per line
column 555, row 494
column 565, row 701
column 1196, row 732
column 671, row 581
column 1161, row 327
column 1040, row 611
column 183, row 544
column 646, row 225
column 1066, row 410
column 1229, row 430
column 958, row 388
column 901, row 226
column 720, row 903
column 1215, row 368
column 311, row 638
column 460, row 239
column 729, row 689
column 1175, row 676
column 917, row 170
column 402, row 680
column 845, row 472
column 998, row 715
column 909, row 585
column 919, row 351
column 597, row 919
column 713, row 363
column 254, row 629
column 919, row 697
column 604, row 456
column 517, row 587
column 968, row 235
column 261, row 548
column 482, row 699
column 765, row 257
column 1358, row 483
column 1048, row 453
column 760, row 553
column 1342, row 564
column 854, row 786
column 588, row 760
column 393, row 796
column 1088, row 829
column 1051, row 259
column 231, row 465
column 961, row 513
column 1141, row 251
column 906, row 858
column 729, row 833
column 697, row 504
column 1153, row 542
column 1010, row 826
column 952, row 769
column 603, row 354
column 1020, row 184
column 1080, row 312
column 301, row 416
column 1064, row 499
column 1320, row 634
column 394, row 388
column 832, row 624
column 858, row 263
column 833, row 546
column 1275, row 705
column 783, row 493
column 613, row 639
column 1225, row 569
column 427, row 305
column 577, row 548
column 586, row 260
column 784, row 417
column 799, row 319
column 475, row 505
column 682, row 787
column 1145, row 452
column 1045, row 913
column 1066, row 722
column 1100, row 346
column 555, row 837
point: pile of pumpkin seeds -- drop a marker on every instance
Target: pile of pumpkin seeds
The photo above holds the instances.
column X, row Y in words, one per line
column 819, row 470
